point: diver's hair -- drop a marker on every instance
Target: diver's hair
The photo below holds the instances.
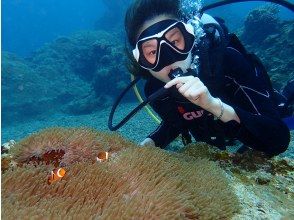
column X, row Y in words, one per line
column 137, row 14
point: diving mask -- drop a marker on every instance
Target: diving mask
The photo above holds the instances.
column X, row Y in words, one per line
column 163, row 44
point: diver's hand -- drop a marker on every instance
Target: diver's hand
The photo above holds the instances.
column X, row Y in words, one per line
column 148, row 142
column 193, row 89
column 196, row 92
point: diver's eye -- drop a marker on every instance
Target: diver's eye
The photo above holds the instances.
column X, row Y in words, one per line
column 174, row 42
column 152, row 53
column 176, row 38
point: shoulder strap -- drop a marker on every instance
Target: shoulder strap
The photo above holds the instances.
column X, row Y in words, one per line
column 233, row 41
column 211, row 59
column 253, row 60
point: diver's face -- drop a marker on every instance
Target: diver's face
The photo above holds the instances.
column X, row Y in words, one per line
column 150, row 48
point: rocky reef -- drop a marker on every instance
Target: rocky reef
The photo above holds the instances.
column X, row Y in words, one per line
column 260, row 23
column 272, row 40
column 265, row 186
column 77, row 75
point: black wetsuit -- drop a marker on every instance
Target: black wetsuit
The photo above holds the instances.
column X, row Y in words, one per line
column 245, row 90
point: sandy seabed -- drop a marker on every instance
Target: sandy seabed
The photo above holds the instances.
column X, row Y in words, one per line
column 136, row 129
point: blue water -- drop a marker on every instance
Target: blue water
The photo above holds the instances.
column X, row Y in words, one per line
column 29, row 26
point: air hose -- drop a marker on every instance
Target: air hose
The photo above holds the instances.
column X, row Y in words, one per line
column 160, row 93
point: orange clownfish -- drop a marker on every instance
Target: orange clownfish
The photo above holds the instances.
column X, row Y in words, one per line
column 56, row 174
column 102, row 156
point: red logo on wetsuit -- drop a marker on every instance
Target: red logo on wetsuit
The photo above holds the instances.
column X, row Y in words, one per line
column 181, row 109
column 190, row 115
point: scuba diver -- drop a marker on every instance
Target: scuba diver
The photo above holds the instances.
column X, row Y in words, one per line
column 228, row 96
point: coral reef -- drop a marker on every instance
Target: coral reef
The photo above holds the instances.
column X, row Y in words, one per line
column 135, row 183
column 64, row 75
column 260, row 23
column 91, row 56
column 271, row 39
column 30, row 90
column 269, row 180
column 21, row 88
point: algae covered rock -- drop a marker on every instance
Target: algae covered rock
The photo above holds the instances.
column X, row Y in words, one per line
column 25, row 92
column 271, row 39
column 260, row 23
column 76, row 74
column 263, row 185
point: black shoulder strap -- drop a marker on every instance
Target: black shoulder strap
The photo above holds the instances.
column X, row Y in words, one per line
column 211, row 60
column 233, row 41
column 253, row 60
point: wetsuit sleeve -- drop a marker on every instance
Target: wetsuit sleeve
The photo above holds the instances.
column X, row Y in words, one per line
column 261, row 127
column 170, row 127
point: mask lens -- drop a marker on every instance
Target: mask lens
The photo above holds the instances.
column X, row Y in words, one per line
column 175, row 37
column 149, row 50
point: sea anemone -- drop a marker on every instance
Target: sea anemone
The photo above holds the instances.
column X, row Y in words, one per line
column 138, row 183
column 64, row 146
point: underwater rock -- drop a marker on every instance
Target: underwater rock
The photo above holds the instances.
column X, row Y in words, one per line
column 260, row 23
column 61, row 74
column 25, row 92
column 133, row 183
column 272, row 41
column 31, row 90
column 264, row 185
column 78, row 54
column 5, row 147
column 7, row 161
column 289, row 154
column 263, row 178
column 96, row 58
